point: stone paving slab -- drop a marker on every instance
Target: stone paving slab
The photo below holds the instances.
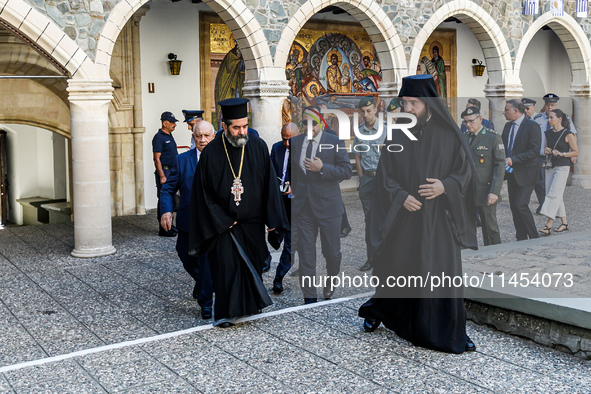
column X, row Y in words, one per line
column 268, row 355
column 53, row 304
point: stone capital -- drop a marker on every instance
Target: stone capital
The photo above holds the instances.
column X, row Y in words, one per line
column 389, row 89
column 580, row 90
column 265, row 88
column 90, row 90
column 503, row 90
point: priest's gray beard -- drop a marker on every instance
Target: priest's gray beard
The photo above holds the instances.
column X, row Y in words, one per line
column 237, row 142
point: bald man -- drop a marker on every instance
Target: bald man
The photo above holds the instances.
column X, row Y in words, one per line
column 281, row 160
column 181, row 178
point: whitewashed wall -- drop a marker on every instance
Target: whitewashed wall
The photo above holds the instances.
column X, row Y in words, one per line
column 168, row 27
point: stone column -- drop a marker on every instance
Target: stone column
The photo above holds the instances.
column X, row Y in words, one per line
column 138, row 129
column 581, row 95
column 388, row 90
column 497, row 95
column 266, row 100
column 89, row 106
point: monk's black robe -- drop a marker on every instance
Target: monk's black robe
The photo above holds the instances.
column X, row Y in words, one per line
column 425, row 242
column 237, row 286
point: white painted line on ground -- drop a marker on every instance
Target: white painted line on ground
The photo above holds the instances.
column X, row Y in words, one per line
column 160, row 337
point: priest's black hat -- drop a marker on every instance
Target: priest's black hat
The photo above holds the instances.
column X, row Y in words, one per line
column 191, row 115
column 234, row 108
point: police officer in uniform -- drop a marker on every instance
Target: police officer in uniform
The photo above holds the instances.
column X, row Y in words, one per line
column 164, row 155
column 488, row 153
column 551, row 101
column 530, row 107
column 191, row 119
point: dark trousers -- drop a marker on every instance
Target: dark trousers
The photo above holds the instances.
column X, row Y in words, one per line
column 490, row 228
column 540, row 187
column 198, row 268
column 285, row 259
column 307, row 228
column 366, row 186
column 519, row 196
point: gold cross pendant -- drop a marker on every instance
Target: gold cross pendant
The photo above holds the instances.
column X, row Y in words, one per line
column 237, row 190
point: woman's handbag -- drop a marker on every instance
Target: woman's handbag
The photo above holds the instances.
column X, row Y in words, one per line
column 547, row 163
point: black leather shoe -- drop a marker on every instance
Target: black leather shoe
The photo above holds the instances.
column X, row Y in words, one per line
column 267, row 265
column 370, row 325
column 365, row 267
column 327, row 293
column 277, row 286
column 206, row 312
column 470, row 346
column 310, row 301
column 226, row 325
column 195, row 291
column 345, row 231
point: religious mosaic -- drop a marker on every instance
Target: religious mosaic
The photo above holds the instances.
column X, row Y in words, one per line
column 322, row 63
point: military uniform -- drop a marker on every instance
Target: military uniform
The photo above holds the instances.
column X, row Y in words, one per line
column 488, row 153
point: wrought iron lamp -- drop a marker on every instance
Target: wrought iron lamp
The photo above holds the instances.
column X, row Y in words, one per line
column 478, row 68
column 175, row 65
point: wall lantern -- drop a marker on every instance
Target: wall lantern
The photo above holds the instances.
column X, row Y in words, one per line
column 478, row 68
column 175, row 65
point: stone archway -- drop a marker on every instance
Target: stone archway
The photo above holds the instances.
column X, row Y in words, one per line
column 572, row 36
column 47, row 38
column 373, row 19
column 496, row 51
column 578, row 48
column 236, row 15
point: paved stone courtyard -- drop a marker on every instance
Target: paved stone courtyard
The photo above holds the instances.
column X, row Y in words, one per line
column 52, row 304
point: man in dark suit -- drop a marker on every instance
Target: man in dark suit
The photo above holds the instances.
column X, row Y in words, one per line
column 281, row 161
column 522, row 140
column 181, row 178
column 319, row 164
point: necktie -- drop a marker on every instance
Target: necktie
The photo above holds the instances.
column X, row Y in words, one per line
column 511, row 140
column 285, row 162
column 471, row 138
column 309, row 150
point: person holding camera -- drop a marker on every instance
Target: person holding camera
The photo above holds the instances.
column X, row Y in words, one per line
column 561, row 146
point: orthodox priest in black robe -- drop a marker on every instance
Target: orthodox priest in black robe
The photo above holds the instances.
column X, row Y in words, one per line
column 422, row 213
column 235, row 194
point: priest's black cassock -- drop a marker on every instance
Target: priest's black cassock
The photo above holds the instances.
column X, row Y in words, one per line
column 238, row 288
column 427, row 241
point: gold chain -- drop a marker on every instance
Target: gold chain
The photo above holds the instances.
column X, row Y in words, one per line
column 229, row 162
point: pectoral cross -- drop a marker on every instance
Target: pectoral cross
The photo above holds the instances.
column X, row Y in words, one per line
column 237, row 190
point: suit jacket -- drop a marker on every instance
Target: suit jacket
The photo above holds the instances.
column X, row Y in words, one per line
column 180, row 178
column 488, row 153
column 321, row 188
column 278, row 151
column 526, row 149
